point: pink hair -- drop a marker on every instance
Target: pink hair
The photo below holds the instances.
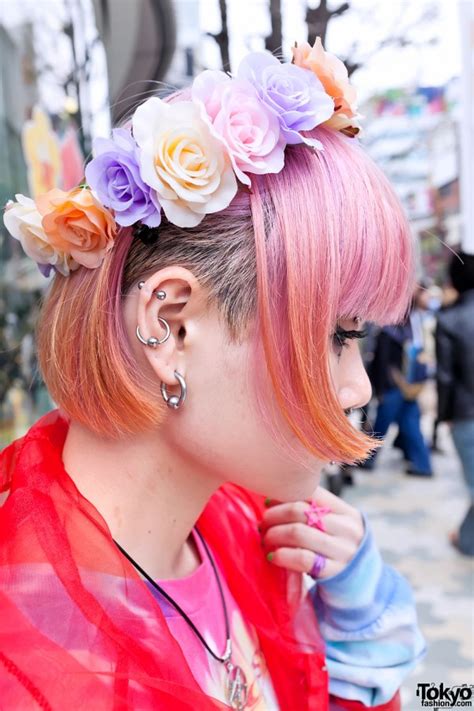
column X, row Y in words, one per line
column 323, row 239
column 332, row 242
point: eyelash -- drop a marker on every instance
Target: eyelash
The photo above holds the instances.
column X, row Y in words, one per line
column 341, row 336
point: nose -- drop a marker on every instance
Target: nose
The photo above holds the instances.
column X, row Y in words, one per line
column 354, row 388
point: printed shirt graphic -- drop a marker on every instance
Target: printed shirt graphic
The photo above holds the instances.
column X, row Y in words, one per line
column 199, row 597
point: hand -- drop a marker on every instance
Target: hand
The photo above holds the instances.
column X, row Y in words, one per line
column 398, row 378
column 410, row 391
column 293, row 543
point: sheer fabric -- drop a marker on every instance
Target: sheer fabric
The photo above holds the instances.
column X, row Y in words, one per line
column 79, row 623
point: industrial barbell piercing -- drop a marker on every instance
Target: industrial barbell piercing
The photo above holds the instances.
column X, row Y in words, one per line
column 160, row 294
column 152, row 341
column 175, row 401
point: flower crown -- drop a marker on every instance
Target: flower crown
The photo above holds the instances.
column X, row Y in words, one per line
column 185, row 157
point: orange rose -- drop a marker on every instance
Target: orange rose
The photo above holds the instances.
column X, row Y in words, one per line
column 333, row 75
column 76, row 223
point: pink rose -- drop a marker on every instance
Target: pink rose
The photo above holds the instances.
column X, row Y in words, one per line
column 237, row 117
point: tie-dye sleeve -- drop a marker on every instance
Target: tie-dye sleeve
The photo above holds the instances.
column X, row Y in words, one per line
column 368, row 619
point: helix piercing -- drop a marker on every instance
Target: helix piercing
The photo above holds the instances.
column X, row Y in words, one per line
column 160, row 294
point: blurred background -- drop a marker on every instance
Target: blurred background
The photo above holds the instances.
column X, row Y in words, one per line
column 70, row 69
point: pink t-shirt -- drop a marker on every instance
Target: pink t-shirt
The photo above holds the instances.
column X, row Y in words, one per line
column 199, row 597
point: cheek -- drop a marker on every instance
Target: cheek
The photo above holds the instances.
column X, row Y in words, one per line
column 335, row 368
column 230, row 437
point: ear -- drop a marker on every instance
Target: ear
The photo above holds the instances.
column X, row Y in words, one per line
column 182, row 301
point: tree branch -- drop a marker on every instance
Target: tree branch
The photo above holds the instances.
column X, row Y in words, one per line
column 274, row 41
column 222, row 37
column 319, row 17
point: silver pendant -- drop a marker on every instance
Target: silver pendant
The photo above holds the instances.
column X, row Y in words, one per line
column 237, row 688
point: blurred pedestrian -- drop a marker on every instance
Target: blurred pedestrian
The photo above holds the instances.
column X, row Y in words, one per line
column 455, row 381
column 398, row 373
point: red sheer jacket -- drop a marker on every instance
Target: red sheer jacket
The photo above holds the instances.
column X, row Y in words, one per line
column 80, row 629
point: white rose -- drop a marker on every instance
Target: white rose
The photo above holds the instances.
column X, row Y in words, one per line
column 180, row 159
column 23, row 221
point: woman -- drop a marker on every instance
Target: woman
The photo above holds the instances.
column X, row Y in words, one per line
column 200, row 340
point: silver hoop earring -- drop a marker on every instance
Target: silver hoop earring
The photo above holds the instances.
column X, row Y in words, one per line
column 152, row 341
column 175, row 401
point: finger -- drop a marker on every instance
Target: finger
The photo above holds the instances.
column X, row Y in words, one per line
column 323, row 497
column 302, row 561
column 292, row 511
column 299, row 535
column 345, row 526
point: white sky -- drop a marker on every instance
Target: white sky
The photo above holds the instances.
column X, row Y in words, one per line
column 368, row 20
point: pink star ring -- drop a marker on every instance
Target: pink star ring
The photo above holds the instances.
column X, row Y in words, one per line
column 314, row 515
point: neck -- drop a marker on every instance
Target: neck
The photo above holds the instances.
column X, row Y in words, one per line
column 148, row 495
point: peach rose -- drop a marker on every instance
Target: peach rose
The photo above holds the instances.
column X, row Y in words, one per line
column 23, row 222
column 76, row 223
column 334, row 77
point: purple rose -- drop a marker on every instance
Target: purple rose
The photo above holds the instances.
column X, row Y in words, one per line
column 45, row 269
column 295, row 95
column 114, row 176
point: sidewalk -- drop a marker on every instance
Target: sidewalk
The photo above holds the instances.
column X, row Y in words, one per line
column 411, row 518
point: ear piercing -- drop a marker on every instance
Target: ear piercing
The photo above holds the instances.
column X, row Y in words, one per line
column 175, row 401
column 160, row 294
column 153, row 342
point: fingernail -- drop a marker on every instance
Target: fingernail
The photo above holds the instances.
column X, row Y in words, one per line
column 268, row 501
column 269, row 557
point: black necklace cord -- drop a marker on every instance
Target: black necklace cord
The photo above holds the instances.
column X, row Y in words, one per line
column 175, row 604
